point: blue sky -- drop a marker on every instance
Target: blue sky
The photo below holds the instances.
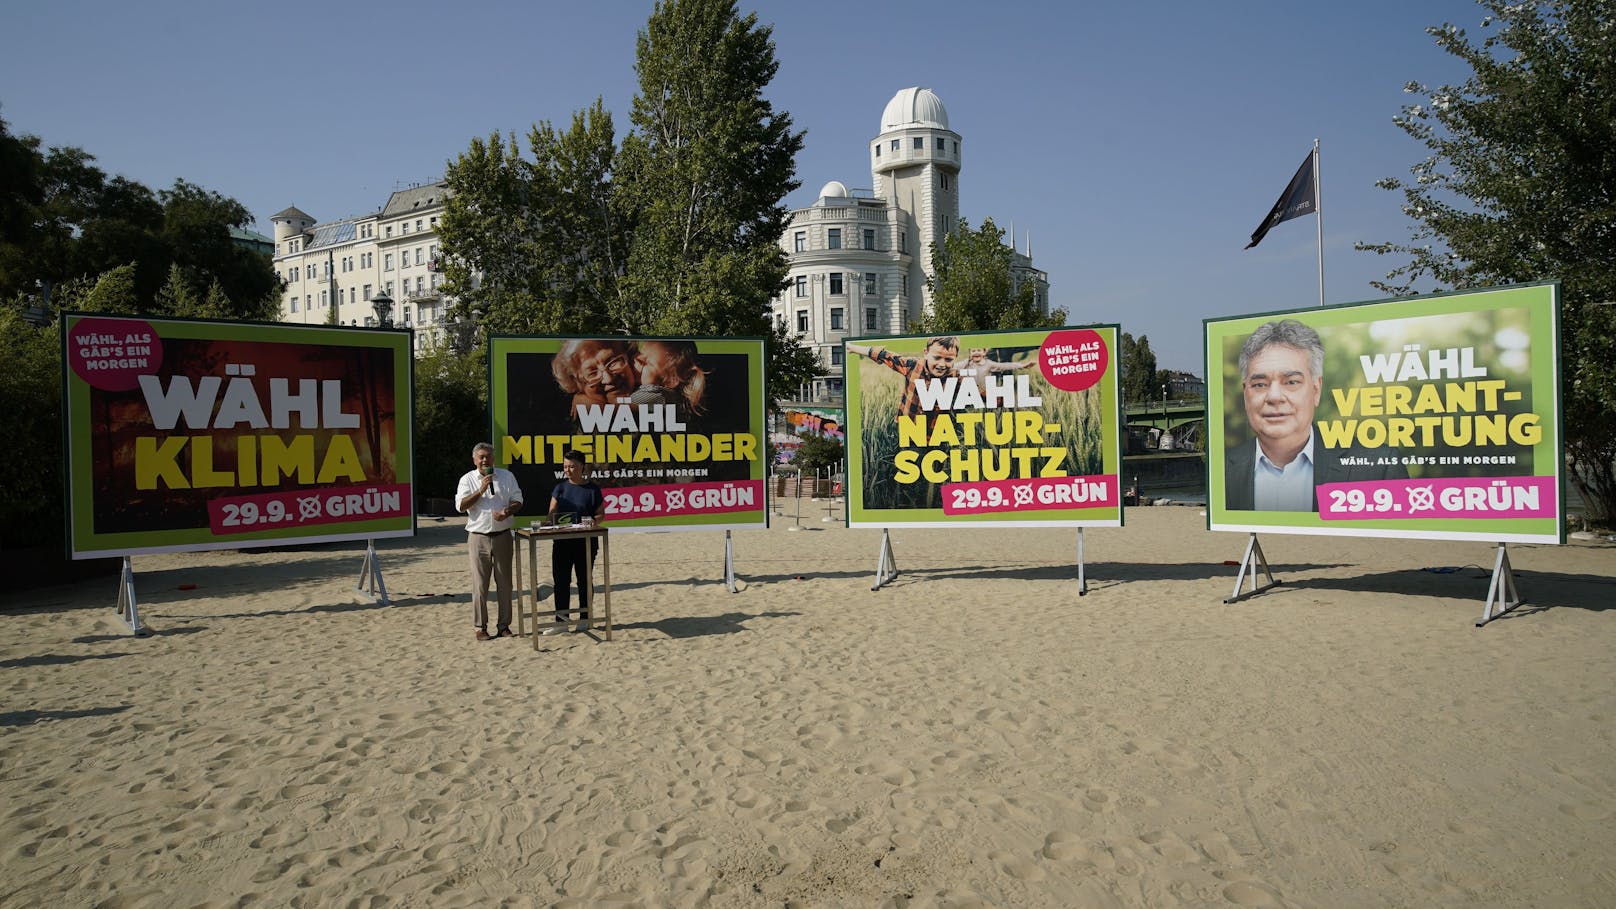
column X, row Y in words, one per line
column 1140, row 143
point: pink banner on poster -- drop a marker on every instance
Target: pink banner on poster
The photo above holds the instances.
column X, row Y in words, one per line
column 1465, row 497
column 684, row 499
column 995, row 496
column 301, row 508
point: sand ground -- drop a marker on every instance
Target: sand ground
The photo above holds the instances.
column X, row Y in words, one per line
column 975, row 734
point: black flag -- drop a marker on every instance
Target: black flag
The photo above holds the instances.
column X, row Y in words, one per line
column 1300, row 198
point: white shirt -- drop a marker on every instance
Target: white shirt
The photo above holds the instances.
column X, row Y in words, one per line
column 1288, row 488
column 500, row 495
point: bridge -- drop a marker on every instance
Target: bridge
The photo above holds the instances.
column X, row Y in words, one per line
column 1167, row 415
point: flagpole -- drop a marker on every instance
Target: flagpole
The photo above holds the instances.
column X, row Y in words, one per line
column 1318, row 212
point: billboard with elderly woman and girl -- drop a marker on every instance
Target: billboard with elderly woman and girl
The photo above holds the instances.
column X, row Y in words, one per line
column 673, row 428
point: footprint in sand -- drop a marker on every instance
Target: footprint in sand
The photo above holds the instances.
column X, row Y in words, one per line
column 1022, row 869
column 1248, row 893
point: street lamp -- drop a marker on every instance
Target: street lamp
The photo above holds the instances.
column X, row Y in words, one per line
column 383, row 305
column 1164, row 414
column 38, row 313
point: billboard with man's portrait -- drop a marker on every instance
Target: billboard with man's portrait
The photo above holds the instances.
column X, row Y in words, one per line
column 672, row 428
column 1424, row 417
column 1006, row 429
column 191, row 435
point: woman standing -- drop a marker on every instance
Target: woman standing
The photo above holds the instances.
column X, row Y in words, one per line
column 574, row 500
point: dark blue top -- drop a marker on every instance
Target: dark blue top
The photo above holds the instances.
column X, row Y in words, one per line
column 576, row 501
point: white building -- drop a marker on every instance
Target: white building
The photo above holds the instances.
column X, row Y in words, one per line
column 334, row 270
column 860, row 259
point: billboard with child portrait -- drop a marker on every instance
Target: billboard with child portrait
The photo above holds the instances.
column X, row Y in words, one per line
column 190, row 435
column 1003, row 429
column 1425, row 417
column 673, row 428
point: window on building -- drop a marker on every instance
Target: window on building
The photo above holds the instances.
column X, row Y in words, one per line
column 292, row 272
column 367, row 294
column 956, row 146
column 903, row 241
column 878, row 149
column 322, row 298
column 433, row 222
column 802, row 285
column 920, row 144
column 799, row 241
column 389, row 288
column 418, row 225
column 836, row 284
column 941, row 143
column 833, row 238
column 945, row 180
column 389, row 231
column 419, row 255
column 387, row 262
column 869, row 283
column 342, row 296
column 836, row 318
column 896, row 145
column 294, row 304
column 420, row 284
column 869, row 238
column 802, row 319
column 903, row 286
column 869, row 318
column 836, row 356
column 404, row 228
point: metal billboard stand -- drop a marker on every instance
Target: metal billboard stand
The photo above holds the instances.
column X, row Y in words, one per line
column 370, row 576
column 729, row 562
column 128, row 610
column 886, row 568
column 1082, row 579
column 1502, row 591
column 1253, row 558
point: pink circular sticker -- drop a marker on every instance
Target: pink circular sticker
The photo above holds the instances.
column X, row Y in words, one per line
column 112, row 354
column 1074, row 360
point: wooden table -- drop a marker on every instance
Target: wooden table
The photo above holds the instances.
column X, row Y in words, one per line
column 599, row 610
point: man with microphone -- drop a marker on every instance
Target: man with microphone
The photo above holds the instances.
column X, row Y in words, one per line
column 490, row 498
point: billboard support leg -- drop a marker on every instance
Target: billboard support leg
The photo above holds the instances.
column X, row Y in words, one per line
column 1502, row 590
column 886, row 568
column 1253, row 558
column 729, row 562
column 1082, row 578
column 128, row 609
column 370, row 576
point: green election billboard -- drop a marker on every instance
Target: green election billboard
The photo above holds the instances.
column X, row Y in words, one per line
column 1424, row 417
column 672, row 427
column 1008, row 429
column 191, row 435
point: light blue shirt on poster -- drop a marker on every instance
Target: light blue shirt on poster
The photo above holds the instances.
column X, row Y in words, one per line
column 1288, row 488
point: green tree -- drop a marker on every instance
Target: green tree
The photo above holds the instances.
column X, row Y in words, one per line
column 706, row 173
column 62, row 218
column 451, row 415
column 817, row 453
column 974, row 288
column 31, row 398
column 1141, row 381
column 538, row 246
column 675, row 232
column 1519, row 185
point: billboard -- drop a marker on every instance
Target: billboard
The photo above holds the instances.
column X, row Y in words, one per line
column 793, row 424
column 1427, row 417
column 673, row 427
column 1008, row 429
column 189, row 435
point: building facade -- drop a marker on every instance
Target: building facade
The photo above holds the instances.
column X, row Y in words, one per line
column 333, row 271
column 860, row 259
